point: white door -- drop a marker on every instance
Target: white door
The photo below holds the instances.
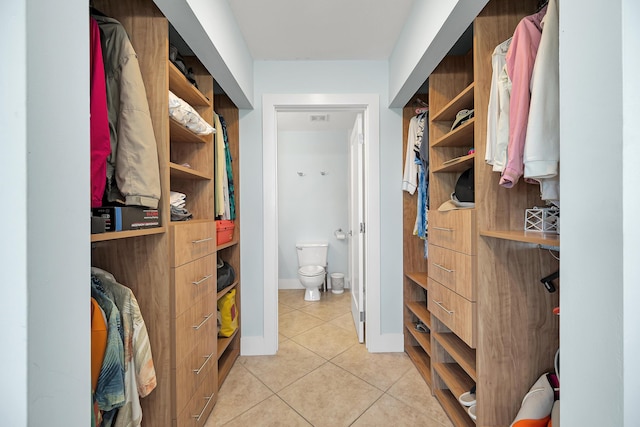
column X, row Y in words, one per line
column 357, row 225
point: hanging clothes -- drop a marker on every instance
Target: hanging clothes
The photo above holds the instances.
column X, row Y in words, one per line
column 421, row 151
column 410, row 177
column 99, row 119
column 219, row 170
column 99, row 339
column 133, row 174
column 498, row 110
column 541, row 155
column 140, row 375
column 520, row 61
column 109, row 392
column 229, row 160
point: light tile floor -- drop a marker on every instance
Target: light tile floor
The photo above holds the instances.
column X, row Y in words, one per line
column 322, row 376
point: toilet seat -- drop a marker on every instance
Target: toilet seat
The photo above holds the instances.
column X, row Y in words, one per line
column 311, row 270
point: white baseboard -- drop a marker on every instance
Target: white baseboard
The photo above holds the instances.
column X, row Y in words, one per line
column 255, row 346
column 289, row 284
column 386, row 343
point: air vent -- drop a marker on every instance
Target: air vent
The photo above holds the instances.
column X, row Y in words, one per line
column 319, row 117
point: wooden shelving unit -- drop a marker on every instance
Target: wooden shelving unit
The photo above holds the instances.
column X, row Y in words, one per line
column 459, row 351
column 462, row 136
column 183, row 172
column 504, row 259
column 458, row 164
column 463, row 100
column 179, row 133
column 103, row 237
column 163, row 265
column 452, row 407
column 548, row 239
column 417, row 344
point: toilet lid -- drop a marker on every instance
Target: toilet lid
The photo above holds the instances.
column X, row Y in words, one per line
column 311, row 270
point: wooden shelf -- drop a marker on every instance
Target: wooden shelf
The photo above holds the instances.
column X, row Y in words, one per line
column 227, row 244
column 223, row 343
column 459, row 165
column 181, row 87
column 421, row 360
column 454, row 410
column 182, row 172
column 225, row 362
column 456, row 348
column 419, row 278
column 114, row 235
column 460, row 137
column 423, row 338
column 460, row 102
column 227, row 289
column 454, row 377
column 549, row 239
column 419, row 309
column 179, row 133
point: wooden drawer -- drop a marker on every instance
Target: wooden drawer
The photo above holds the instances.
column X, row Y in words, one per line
column 191, row 241
column 196, row 367
column 454, row 311
column 453, row 230
column 197, row 411
column 455, row 270
column 198, row 323
column 192, row 281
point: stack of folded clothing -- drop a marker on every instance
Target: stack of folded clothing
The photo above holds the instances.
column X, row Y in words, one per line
column 185, row 114
column 178, row 210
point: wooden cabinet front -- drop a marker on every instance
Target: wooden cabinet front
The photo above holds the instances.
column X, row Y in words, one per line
column 457, row 313
column 453, row 230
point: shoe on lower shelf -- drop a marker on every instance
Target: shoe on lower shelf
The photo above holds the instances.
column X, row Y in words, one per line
column 472, row 411
column 468, row 398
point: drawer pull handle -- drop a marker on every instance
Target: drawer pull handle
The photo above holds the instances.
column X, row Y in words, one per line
column 208, row 276
column 195, row 242
column 439, row 304
column 443, row 268
column 208, row 399
column 207, row 317
column 450, row 230
column 206, row 359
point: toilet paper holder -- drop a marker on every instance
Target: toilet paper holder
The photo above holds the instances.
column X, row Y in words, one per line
column 340, row 235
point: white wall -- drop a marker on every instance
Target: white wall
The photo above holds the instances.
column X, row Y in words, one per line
column 321, row 77
column 13, row 222
column 313, row 206
column 600, row 235
column 210, row 30
column 431, row 30
column 44, row 176
column 631, row 207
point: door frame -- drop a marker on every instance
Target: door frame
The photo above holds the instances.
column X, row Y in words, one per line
column 369, row 105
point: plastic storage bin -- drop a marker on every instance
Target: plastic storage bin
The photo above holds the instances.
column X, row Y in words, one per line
column 224, row 231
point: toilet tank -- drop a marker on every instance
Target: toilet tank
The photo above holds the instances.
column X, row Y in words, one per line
column 312, row 253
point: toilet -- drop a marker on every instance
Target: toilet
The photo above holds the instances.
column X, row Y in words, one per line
column 312, row 263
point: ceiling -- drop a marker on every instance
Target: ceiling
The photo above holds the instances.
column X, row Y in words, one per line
column 321, row 29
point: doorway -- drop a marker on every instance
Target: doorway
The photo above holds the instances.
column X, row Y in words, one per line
column 368, row 106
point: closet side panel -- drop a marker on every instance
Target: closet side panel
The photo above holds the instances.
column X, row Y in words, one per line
column 141, row 263
column 517, row 331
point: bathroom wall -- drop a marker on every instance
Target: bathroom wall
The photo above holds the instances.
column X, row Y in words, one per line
column 311, row 207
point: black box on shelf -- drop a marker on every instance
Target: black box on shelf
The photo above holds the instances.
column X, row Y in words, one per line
column 98, row 224
column 121, row 218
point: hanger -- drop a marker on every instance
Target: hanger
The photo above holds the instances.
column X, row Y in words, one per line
column 541, row 4
column 547, row 281
column 424, row 107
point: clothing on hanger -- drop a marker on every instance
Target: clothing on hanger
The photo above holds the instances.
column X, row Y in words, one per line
column 520, row 60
